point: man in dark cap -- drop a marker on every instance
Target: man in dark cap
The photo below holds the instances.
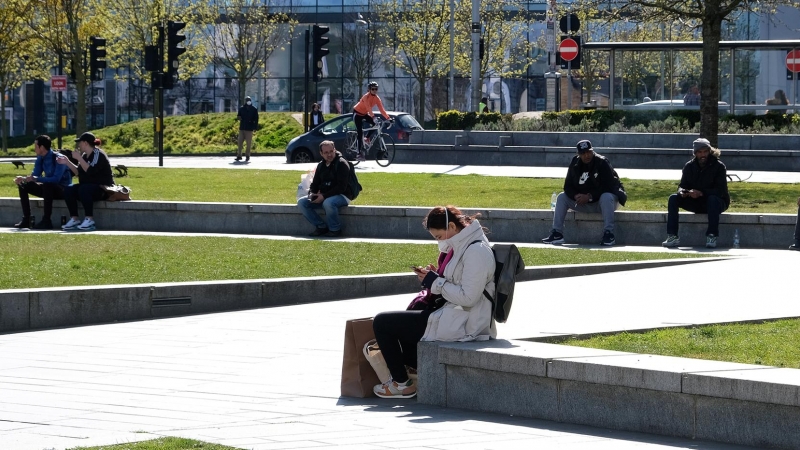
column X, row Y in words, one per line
column 248, row 121
column 592, row 186
column 94, row 172
column 703, row 190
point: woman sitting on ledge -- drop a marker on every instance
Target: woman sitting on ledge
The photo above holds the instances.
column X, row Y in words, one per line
column 462, row 313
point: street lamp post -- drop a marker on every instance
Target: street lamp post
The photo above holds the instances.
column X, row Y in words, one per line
column 362, row 22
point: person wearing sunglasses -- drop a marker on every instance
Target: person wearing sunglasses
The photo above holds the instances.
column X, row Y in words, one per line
column 362, row 112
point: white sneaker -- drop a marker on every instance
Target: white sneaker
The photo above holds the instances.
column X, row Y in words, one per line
column 87, row 225
column 71, row 225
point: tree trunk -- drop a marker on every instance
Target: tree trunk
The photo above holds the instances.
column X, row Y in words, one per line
column 4, row 122
column 421, row 111
column 709, row 79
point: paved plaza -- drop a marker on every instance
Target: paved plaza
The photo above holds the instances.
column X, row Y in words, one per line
column 269, row 378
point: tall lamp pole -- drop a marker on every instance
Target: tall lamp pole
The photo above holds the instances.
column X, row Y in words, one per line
column 477, row 83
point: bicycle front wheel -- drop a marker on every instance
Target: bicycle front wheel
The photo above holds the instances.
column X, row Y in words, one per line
column 385, row 154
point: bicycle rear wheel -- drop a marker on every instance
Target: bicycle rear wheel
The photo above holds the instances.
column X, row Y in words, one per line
column 351, row 147
column 385, row 152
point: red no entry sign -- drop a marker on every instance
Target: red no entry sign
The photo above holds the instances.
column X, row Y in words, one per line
column 569, row 50
column 792, row 61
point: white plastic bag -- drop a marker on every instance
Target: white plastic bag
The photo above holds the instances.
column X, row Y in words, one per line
column 305, row 184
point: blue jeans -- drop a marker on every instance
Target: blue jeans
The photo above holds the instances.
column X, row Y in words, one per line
column 331, row 206
column 606, row 206
column 712, row 205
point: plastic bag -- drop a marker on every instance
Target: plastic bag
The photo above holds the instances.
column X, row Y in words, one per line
column 305, row 184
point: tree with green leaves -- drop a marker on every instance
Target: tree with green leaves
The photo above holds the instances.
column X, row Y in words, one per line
column 63, row 29
column 708, row 16
column 420, row 31
column 245, row 34
column 134, row 24
column 17, row 42
column 366, row 51
column 504, row 33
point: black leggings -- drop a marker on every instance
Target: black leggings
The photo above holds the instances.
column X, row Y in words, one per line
column 359, row 119
column 398, row 333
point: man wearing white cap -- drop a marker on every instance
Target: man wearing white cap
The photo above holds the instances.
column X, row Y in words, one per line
column 703, row 190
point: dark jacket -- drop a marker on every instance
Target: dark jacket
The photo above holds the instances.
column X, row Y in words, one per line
column 710, row 180
column 47, row 170
column 248, row 118
column 99, row 169
column 319, row 118
column 594, row 178
column 332, row 180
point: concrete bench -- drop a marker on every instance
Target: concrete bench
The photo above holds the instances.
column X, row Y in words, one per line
column 691, row 398
column 398, row 222
column 626, row 150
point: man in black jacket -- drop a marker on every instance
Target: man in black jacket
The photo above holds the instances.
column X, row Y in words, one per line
column 703, row 189
column 248, row 121
column 329, row 190
column 591, row 186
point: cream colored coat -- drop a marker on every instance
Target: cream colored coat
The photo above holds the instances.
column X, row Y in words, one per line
column 467, row 315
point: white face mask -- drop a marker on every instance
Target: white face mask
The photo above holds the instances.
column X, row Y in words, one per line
column 444, row 246
column 249, row 102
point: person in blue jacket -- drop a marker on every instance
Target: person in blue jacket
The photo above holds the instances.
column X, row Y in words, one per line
column 48, row 181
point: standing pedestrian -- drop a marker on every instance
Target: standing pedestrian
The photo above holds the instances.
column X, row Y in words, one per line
column 248, row 121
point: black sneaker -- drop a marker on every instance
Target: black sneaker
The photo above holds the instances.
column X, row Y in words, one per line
column 237, row 159
column 608, row 239
column 332, row 233
column 44, row 224
column 24, row 223
column 247, row 159
column 554, row 238
column 319, row 231
column 796, row 245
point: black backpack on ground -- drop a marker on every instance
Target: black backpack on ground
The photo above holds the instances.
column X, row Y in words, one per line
column 508, row 264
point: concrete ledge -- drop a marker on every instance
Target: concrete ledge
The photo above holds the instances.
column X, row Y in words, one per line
column 625, row 150
column 32, row 309
column 397, row 222
column 720, row 401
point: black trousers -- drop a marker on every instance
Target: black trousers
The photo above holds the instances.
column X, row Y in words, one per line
column 359, row 120
column 88, row 194
column 797, row 226
column 47, row 191
column 712, row 205
column 398, row 333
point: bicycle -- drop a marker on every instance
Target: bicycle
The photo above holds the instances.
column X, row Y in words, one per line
column 374, row 137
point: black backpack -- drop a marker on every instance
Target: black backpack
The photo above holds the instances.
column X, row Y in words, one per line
column 355, row 186
column 508, row 264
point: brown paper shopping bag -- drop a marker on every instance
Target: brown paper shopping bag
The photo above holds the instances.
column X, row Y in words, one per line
column 358, row 377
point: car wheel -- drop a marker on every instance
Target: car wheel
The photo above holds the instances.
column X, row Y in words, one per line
column 302, row 156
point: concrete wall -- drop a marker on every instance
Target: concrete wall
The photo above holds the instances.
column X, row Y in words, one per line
column 506, row 225
column 32, row 309
column 625, row 150
column 691, row 398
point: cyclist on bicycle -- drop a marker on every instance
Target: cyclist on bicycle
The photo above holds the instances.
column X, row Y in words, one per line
column 363, row 112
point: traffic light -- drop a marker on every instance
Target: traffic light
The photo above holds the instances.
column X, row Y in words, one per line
column 97, row 54
column 319, row 50
column 152, row 59
column 173, row 52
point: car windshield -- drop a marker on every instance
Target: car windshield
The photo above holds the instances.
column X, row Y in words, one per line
column 339, row 125
column 408, row 121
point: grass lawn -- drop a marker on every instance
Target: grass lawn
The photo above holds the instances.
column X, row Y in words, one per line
column 415, row 189
column 167, row 443
column 772, row 343
column 159, row 259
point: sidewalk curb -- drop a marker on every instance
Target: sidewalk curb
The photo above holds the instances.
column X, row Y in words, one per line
column 33, row 309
